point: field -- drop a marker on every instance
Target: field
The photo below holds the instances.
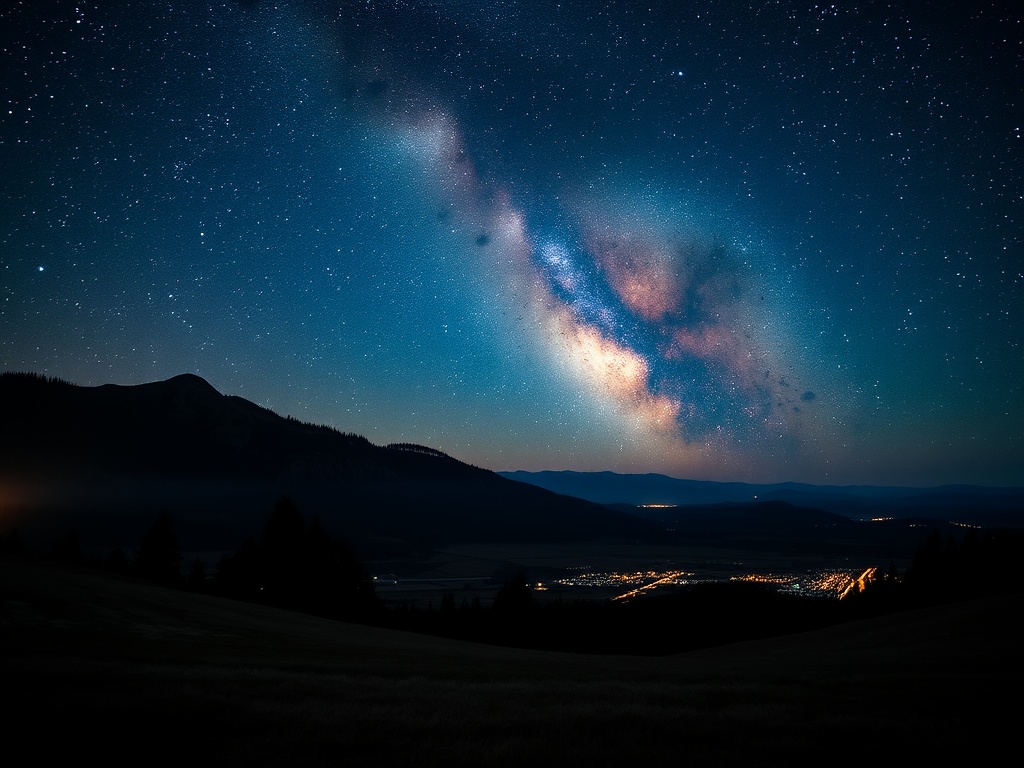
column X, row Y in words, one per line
column 105, row 667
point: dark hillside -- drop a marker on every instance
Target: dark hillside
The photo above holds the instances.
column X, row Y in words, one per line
column 966, row 504
column 95, row 664
column 103, row 458
column 781, row 526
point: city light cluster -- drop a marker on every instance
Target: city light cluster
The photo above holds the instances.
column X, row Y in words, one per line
column 637, row 581
column 825, row 583
column 816, row 583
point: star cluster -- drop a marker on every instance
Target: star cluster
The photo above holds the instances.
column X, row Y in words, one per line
column 756, row 241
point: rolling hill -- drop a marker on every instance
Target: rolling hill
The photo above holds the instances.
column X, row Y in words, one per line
column 95, row 664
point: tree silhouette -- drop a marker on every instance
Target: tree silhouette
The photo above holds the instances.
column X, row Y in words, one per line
column 69, row 549
column 159, row 556
column 448, row 603
column 282, row 563
column 238, row 574
column 515, row 596
column 196, row 580
column 298, row 566
column 333, row 577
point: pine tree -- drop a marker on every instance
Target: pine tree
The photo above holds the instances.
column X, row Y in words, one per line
column 197, row 576
column 515, row 596
column 159, row 556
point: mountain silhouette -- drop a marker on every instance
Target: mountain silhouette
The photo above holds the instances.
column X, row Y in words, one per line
column 970, row 504
column 106, row 457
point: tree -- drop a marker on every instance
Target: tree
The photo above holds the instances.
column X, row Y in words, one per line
column 515, row 596
column 159, row 556
column 69, row 549
column 282, row 560
column 238, row 574
column 197, row 576
column 298, row 566
column 448, row 603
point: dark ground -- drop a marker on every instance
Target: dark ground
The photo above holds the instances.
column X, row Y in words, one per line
column 96, row 666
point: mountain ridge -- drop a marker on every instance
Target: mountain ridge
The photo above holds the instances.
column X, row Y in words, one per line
column 981, row 505
column 122, row 453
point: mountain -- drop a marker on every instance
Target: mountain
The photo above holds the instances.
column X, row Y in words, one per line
column 972, row 505
column 780, row 527
column 107, row 459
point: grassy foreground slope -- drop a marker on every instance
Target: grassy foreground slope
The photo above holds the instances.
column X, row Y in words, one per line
column 100, row 666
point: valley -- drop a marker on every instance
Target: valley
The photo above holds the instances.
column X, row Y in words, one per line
column 605, row 570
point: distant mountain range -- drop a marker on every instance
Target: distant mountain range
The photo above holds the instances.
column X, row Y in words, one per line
column 107, row 459
column 974, row 505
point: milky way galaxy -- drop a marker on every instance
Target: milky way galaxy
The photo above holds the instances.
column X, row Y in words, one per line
column 728, row 241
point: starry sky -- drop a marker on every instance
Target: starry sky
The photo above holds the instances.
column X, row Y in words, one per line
column 759, row 241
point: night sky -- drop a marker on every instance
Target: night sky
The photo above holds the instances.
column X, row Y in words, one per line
column 757, row 241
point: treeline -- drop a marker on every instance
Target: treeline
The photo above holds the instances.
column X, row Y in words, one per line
column 696, row 617
column 414, row 448
column 978, row 563
column 352, row 436
column 944, row 569
column 31, row 379
column 293, row 564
